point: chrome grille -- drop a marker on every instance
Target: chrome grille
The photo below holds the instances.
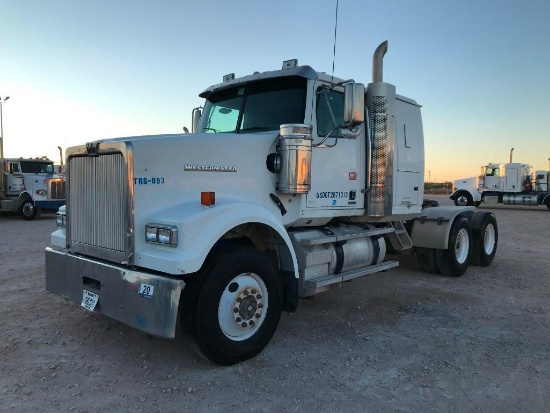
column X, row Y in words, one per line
column 57, row 189
column 97, row 205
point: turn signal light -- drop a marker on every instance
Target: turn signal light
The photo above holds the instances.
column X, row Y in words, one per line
column 208, row 198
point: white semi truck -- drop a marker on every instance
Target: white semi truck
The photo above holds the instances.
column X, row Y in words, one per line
column 28, row 186
column 504, row 183
column 291, row 183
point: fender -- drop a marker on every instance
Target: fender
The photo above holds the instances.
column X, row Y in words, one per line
column 23, row 196
column 199, row 229
column 432, row 229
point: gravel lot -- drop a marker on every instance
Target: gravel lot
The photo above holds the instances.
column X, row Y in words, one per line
column 401, row 341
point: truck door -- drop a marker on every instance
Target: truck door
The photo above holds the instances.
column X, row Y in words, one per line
column 337, row 164
column 492, row 178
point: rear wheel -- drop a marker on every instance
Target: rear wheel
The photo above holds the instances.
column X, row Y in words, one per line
column 238, row 306
column 27, row 210
column 485, row 238
column 427, row 260
column 454, row 260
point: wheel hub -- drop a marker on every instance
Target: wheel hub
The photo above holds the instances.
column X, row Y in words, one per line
column 247, row 307
column 28, row 209
column 462, row 200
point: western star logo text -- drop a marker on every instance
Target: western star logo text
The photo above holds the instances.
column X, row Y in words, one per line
column 210, row 168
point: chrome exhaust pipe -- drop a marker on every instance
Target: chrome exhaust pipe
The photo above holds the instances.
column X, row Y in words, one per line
column 378, row 62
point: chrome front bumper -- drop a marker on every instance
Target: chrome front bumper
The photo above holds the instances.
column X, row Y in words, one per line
column 141, row 300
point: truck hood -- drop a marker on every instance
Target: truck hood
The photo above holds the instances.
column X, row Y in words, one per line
column 170, row 170
column 469, row 183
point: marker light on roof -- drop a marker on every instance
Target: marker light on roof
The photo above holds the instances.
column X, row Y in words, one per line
column 289, row 64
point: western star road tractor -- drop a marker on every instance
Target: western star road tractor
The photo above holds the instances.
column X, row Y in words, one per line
column 291, row 183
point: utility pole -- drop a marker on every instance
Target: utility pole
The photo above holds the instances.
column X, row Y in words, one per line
column 2, row 101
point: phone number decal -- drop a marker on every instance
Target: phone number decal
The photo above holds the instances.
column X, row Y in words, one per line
column 149, row 181
column 332, row 195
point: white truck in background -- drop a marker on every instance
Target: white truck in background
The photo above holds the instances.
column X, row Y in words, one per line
column 504, row 183
column 291, row 183
column 28, row 186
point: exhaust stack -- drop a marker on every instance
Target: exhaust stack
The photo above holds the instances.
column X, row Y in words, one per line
column 511, row 153
column 378, row 62
column 381, row 104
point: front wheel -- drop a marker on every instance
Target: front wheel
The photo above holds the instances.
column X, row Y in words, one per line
column 464, row 199
column 27, row 210
column 238, row 306
column 454, row 260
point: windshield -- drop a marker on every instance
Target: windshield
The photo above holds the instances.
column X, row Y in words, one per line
column 30, row 167
column 259, row 106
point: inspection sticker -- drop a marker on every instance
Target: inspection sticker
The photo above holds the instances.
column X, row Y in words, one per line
column 89, row 300
column 146, row 291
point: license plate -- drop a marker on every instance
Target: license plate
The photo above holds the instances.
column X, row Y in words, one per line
column 89, row 300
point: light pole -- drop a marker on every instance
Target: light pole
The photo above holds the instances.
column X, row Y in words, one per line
column 2, row 101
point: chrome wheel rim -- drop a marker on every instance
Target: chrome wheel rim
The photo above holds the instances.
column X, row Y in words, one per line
column 28, row 209
column 462, row 200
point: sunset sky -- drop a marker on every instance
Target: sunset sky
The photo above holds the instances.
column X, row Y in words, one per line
column 77, row 71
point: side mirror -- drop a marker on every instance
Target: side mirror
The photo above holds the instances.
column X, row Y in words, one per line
column 354, row 104
column 196, row 118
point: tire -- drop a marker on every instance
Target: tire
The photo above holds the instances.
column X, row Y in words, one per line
column 427, row 260
column 485, row 238
column 464, row 199
column 454, row 260
column 27, row 210
column 477, row 203
column 238, row 306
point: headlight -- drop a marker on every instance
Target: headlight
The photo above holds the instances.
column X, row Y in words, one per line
column 60, row 220
column 161, row 234
column 41, row 192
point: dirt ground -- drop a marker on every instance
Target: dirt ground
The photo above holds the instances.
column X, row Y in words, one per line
column 401, row 341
